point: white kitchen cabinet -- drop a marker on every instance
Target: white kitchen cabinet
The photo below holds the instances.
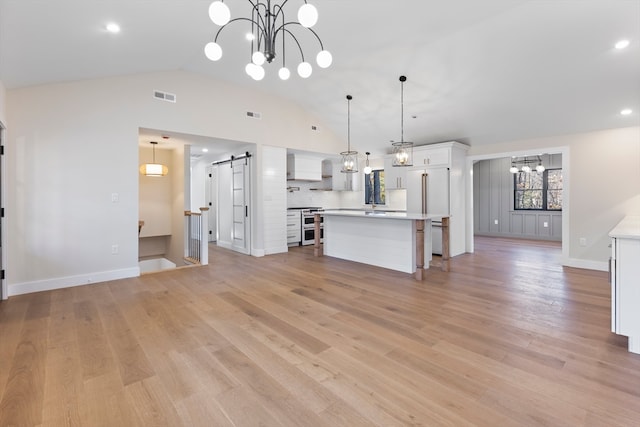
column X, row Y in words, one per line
column 294, row 227
column 395, row 177
column 625, row 280
column 304, row 168
column 431, row 155
column 444, row 164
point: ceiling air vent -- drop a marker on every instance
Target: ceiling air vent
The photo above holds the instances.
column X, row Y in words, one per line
column 254, row 115
column 165, row 96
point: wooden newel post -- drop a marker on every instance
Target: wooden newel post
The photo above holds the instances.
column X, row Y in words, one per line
column 445, row 244
column 419, row 249
column 317, row 246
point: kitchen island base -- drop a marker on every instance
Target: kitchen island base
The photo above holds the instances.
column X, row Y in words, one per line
column 400, row 242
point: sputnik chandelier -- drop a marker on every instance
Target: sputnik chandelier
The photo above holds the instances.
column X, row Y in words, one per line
column 269, row 30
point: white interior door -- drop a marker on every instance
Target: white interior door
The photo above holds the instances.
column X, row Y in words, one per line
column 211, row 195
column 241, row 196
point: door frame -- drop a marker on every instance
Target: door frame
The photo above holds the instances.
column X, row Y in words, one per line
column 4, row 291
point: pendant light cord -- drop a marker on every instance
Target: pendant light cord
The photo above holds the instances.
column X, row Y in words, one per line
column 349, row 97
column 402, row 80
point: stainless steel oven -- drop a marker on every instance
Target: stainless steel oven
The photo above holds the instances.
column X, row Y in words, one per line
column 308, row 226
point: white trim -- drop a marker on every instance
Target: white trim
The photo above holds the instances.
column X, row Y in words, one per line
column 586, row 264
column 4, row 291
column 258, row 252
column 71, row 281
column 276, row 250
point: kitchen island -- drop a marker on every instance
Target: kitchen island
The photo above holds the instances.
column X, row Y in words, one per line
column 396, row 240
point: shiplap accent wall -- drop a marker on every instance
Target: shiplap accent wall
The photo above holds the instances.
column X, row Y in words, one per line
column 493, row 201
column 274, row 203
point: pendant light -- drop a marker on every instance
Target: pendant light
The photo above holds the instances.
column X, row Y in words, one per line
column 402, row 150
column 349, row 158
column 154, row 169
column 367, row 169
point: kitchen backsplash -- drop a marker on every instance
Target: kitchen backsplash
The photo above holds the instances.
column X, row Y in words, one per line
column 305, row 196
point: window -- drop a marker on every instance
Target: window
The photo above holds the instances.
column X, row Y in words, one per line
column 374, row 188
column 538, row 191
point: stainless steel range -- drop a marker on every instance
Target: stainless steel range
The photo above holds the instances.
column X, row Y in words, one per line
column 308, row 227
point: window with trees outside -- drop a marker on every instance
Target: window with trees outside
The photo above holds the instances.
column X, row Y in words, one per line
column 538, row 191
column 374, row 188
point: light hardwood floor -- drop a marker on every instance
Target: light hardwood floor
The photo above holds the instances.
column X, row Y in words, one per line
column 508, row 337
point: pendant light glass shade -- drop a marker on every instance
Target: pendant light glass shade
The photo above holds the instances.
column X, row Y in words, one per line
column 349, row 161
column 154, row 169
column 367, row 169
column 402, row 150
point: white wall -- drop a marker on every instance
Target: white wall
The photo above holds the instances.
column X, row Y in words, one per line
column 155, row 195
column 603, row 170
column 3, row 108
column 274, row 200
column 71, row 145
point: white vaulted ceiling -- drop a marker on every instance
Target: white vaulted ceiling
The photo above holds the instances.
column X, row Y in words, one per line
column 478, row 71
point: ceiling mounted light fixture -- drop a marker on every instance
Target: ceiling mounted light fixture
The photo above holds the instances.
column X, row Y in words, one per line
column 349, row 158
column 154, row 169
column 402, row 150
column 268, row 30
column 526, row 165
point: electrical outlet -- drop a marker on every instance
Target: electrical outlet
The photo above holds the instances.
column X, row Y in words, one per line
column 495, row 221
column 583, row 241
column 115, row 197
column 114, row 249
column 545, row 224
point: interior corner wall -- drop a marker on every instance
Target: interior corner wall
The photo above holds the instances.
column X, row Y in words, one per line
column 179, row 203
column 603, row 181
column 3, row 97
column 72, row 146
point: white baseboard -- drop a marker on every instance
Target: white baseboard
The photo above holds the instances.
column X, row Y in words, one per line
column 586, row 264
column 276, row 250
column 223, row 244
column 70, row 281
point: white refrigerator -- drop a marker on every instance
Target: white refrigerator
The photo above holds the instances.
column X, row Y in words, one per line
column 428, row 192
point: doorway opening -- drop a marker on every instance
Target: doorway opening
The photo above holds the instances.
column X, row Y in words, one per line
column 506, row 203
column 169, row 204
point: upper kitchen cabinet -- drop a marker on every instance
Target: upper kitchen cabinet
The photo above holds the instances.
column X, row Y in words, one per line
column 304, row 168
column 395, row 177
column 428, row 155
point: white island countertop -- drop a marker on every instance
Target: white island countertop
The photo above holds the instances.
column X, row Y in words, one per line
column 628, row 228
column 380, row 214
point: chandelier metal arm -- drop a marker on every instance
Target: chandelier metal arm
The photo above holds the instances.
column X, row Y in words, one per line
column 294, row 39
column 233, row 20
column 268, row 22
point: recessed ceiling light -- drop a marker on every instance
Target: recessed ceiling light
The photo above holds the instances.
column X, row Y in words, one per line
column 205, row 150
column 113, row 28
column 626, row 111
column 622, row 44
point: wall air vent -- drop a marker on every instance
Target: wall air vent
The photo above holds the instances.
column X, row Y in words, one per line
column 164, row 96
column 254, row 115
